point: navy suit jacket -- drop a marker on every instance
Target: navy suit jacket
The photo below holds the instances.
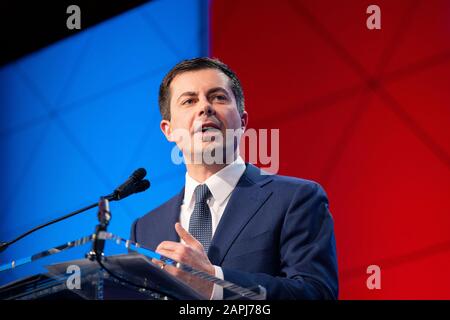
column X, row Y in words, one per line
column 276, row 231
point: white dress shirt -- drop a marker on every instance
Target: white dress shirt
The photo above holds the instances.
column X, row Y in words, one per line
column 221, row 184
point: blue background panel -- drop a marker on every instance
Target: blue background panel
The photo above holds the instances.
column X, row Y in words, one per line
column 79, row 116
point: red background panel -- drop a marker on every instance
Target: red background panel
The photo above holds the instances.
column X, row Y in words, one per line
column 366, row 113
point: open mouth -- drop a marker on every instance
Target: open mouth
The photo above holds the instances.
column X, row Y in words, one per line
column 208, row 127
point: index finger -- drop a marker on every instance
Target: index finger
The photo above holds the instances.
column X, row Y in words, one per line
column 187, row 237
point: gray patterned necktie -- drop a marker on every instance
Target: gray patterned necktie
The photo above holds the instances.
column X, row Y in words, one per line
column 200, row 223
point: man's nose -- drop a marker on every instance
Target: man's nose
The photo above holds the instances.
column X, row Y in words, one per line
column 206, row 108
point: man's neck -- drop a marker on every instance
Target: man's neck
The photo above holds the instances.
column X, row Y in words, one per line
column 201, row 172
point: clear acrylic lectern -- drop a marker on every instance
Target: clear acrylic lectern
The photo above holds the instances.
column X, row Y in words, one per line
column 125, row 270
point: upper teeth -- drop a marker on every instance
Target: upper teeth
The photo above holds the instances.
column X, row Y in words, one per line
column 207, row 128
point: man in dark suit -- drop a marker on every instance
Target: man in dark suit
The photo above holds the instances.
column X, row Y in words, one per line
column 232, row 220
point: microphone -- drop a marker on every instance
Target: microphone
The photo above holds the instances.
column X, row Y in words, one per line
column 137, row 187
column 137, row 175
column 134, row 184
column 142, row 186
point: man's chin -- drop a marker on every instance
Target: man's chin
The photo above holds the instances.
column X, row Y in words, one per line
column 211, row 153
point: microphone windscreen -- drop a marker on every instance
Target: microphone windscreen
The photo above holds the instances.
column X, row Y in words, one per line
column 142, row 186
column 139, row 174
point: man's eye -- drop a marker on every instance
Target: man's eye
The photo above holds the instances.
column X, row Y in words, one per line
column 220, row 98
column 188, row 101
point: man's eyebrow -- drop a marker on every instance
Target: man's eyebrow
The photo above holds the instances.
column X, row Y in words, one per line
column 188, row 94
column 216, row 89
column 210, row 91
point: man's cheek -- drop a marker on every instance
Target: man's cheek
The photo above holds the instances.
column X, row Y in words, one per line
column 180, row 136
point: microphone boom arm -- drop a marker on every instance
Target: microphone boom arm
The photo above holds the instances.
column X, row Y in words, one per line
column 133, row 185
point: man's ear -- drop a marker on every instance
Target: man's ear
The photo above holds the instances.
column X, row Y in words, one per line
column 244, row 120
column 166, row 129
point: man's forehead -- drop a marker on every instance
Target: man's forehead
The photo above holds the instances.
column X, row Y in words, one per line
column 198, row 79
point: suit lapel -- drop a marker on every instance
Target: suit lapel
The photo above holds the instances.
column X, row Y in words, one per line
column 173, row 217
column 245, row 201
column 163, row 228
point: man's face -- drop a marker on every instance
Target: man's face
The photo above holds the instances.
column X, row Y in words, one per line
column 203, row 109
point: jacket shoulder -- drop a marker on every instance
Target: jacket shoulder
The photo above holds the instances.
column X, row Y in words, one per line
column 161, row 211
column 165, row 206
column 294, row 184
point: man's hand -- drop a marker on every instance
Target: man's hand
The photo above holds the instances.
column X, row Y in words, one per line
column 192, row 253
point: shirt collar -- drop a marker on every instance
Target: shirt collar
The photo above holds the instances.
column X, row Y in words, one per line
column 221, row 184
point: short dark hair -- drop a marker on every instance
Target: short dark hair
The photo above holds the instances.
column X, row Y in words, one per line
column 194, row 65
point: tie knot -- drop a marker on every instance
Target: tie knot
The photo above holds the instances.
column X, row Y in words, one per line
column 202, row 193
